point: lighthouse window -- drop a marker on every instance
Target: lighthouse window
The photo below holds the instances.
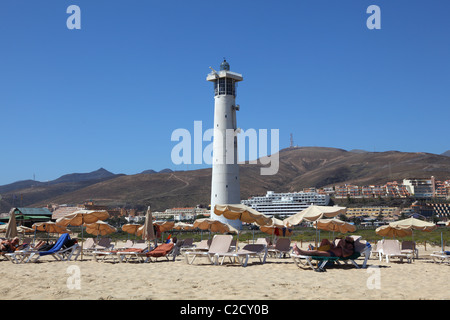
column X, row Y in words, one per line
column 222, row 86
column 216, row 87
column 230, row 86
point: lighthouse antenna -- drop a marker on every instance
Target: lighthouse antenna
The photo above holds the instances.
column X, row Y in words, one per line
column 214, row 71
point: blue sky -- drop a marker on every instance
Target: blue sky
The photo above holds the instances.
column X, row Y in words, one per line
column 111, row 94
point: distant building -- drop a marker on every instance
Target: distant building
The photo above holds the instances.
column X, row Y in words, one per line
column 286, row 204
column 440, row 210
column 417, row 188
column 181, row 214
column 420, row 188
column 387, row 213
column 28, row 216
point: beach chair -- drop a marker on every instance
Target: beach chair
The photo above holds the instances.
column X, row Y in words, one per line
column 360, row 250
column 201, row 246
column 63, row 250
column 242, row 256
column 264, row 241
column 282, row 247
column 391, row 249
column 123, row 254
column 135, row 252
column 176, row 251
column 219, row 244
column 410, row 247
column 104, row 244
column 187, row 245
column 126, row 245
column 376, row 249
column 163, row 250
column 440, row 256
column 88, row 244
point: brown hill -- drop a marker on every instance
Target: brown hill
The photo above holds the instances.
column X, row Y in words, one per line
column 299, row 168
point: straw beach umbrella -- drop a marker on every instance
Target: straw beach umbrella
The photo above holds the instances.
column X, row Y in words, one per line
column 148, row 233
column 20, row 229
column 81, row 217
column 414, row 224
column 49, row 227
column 11, row 230
column 276, row 228
column 335, row 225
column 312, row 214
column 241, row 212
column 213, row 225
column 164, row 225
column 183, row 226
column 131, row 228
column 100, row 228
column 392, row 231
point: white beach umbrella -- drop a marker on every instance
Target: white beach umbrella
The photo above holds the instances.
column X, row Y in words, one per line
column 314, row 213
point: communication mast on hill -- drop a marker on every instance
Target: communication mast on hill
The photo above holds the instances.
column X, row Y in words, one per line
column 292, row 141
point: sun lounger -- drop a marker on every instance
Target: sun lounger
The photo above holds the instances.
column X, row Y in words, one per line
column 163, row 250
column 440, row 256
column 135, row 252
column 219, row 244
column 130, row 254
column 201, row 246
column 376, row 249
column 410, row 247
column 391, row 249
column 282, row 247
column 361, row 250
column 242, row 256
column 63, row 250
column 187, row 243
column 264, row 241
column 123, row 254
column 104, row 244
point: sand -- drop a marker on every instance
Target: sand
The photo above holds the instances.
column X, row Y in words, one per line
column 278, row 279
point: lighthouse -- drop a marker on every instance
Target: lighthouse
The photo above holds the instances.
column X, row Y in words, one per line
column 225, row 188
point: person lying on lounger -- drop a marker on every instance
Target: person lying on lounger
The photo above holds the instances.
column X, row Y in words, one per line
column 9, row 245
column 343, row 249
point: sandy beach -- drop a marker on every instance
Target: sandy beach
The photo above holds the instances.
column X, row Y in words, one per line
column 278, row 279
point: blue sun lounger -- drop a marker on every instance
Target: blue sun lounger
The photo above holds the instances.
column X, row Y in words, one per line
column 58, row 251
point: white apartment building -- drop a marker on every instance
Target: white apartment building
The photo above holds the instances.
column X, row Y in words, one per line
column 286, row 204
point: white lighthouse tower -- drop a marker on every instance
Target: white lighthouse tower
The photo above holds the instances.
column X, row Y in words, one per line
column 225, row 188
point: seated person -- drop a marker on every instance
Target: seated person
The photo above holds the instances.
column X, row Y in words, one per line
column 46, row 246
column 325, row 245
column 9, row 245
column 344, row 248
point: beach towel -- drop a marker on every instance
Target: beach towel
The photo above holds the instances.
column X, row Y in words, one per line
column 161, row 250
column 58, row 245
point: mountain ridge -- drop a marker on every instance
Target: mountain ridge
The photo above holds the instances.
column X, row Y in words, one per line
column 299, row 167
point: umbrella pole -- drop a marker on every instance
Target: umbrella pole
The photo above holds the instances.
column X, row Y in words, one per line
column 315, row 240
column 82, row 240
